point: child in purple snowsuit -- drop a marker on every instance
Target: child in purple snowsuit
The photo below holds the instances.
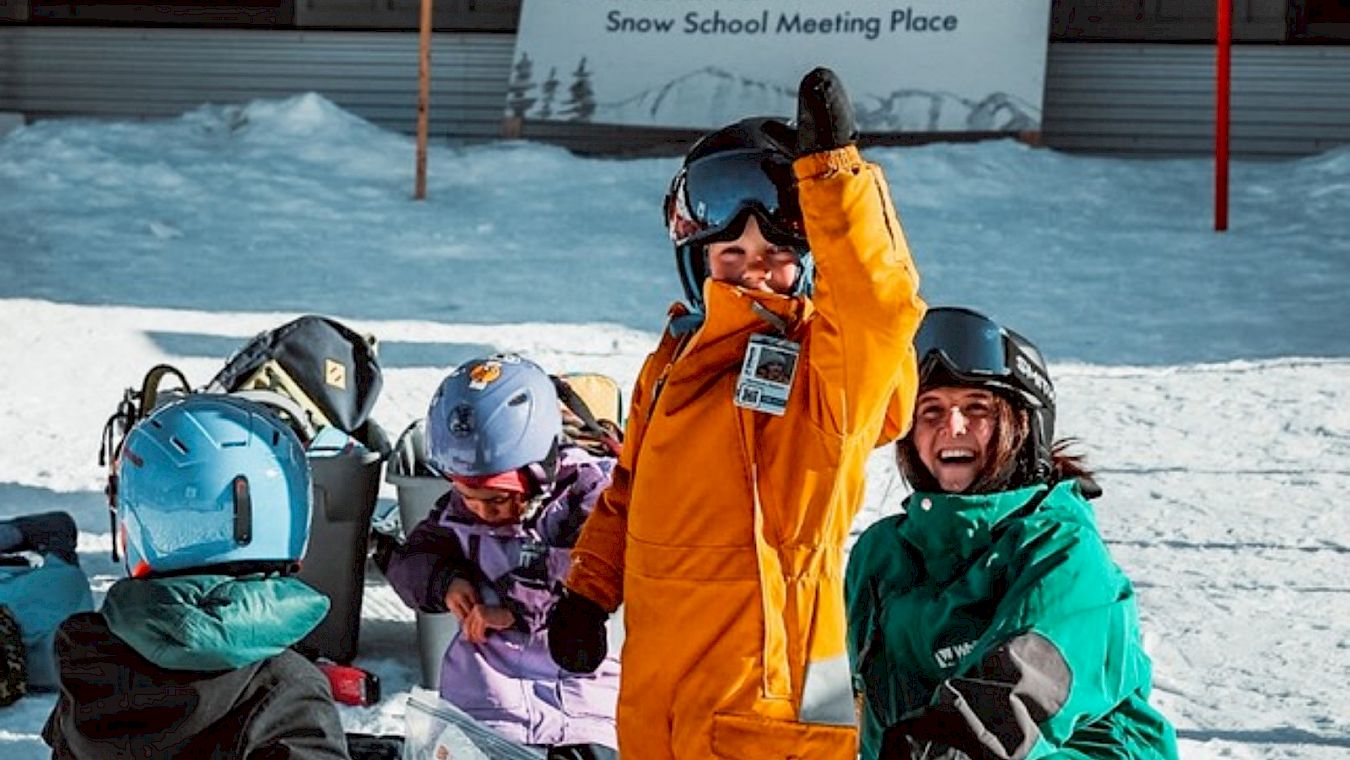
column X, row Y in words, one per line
column 495, row 550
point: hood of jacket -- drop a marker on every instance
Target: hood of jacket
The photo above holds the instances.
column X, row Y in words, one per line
column 115, row 703
column 212, row 622
column 732, row 315
column 719, row 336
column 558, row 518
column 950, row 530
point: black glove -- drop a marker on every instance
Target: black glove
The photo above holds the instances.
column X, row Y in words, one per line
column 980, row 718
column 576, row 633
column 371, row 747
column 49, row 532
column 825, row 119
column 895, row 744
column 898, row 742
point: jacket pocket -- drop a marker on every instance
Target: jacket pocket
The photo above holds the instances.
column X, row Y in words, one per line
column 476, row 678
column 591, row 696
column 737, row 737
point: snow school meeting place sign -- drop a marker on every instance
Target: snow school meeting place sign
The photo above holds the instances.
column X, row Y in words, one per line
column 909, row 65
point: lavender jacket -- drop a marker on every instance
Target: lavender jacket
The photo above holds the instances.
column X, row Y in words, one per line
column 510, row 682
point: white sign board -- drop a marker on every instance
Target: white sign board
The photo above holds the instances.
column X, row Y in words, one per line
column 909, row 65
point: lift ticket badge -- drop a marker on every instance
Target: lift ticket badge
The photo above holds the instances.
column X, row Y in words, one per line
column 766, row 374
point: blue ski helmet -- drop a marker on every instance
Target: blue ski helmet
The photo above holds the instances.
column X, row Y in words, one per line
column 211, row 480
column 744, row 168
column 959, row 346
column 493, row 415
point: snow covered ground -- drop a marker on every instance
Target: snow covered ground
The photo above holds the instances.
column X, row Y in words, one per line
column 1207, row 376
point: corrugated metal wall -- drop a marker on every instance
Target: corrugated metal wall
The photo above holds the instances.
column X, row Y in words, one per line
column 1108, row 97
column 151, row 73
column 1159, row 99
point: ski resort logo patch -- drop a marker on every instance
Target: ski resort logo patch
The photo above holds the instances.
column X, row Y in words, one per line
column 335, row 374
column 484, row 375
column 947, row 657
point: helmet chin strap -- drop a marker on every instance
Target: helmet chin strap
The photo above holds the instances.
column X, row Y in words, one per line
column 805, row 284
column 691, row 263
column 533, row 507
column 541, row 476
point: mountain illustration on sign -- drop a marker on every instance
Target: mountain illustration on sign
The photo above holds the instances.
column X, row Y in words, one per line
column 714, row 95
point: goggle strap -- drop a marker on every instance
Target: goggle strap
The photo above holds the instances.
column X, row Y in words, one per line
column 1026, row 370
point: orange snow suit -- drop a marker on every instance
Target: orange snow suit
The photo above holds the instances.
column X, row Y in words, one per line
column 723, row 530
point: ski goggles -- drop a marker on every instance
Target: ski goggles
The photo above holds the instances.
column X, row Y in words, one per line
column 711, row 195
column 975, row 349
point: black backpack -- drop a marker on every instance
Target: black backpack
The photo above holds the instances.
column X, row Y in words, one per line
column 324, row 366
column 310, row 372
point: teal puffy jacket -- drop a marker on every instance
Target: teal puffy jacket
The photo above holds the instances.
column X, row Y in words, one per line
column 999, row 626
column 41, row 597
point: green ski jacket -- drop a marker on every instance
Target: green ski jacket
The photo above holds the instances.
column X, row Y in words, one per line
column 998, row 626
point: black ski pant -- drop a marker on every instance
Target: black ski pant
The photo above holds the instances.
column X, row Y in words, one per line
column 582, row 752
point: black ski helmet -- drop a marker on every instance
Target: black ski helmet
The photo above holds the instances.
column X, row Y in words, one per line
column 741, row 169
column 959, row 346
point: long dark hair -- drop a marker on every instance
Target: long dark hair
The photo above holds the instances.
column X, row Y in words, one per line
column 1007, row 466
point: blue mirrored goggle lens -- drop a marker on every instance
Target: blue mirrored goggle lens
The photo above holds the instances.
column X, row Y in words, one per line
column 970, row 344
column 719, row 189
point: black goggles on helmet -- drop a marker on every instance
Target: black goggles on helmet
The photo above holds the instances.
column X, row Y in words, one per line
column 711, row 195
column 977, row 350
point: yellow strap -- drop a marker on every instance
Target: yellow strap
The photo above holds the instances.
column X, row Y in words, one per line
column 271, row 376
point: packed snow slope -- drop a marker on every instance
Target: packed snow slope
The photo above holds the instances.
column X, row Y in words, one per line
column 1206, row 376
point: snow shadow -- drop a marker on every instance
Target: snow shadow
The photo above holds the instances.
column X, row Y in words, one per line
column 89, row 508
column 1282, row 735
column 393, row 354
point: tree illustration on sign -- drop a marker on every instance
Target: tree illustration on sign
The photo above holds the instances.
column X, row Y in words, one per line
column 548, row 91
column 580, row 105
column 517, row 97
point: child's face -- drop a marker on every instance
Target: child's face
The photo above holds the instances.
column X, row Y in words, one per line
column 753, row 262
column 491, row 505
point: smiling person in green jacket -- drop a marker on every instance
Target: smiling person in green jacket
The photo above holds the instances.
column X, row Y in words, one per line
column 988, row 620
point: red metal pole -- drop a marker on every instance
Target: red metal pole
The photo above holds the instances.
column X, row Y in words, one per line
column 1225, row 34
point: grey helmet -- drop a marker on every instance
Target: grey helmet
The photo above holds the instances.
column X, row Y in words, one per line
column 493, row 415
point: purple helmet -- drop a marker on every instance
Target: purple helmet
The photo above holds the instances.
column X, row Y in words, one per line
column 493, row 415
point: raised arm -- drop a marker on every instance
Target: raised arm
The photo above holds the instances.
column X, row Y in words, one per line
column 867, row 288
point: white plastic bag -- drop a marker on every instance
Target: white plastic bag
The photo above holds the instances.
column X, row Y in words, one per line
column 437, row 730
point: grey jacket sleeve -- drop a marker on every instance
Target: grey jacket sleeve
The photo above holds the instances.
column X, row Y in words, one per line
column 297, row 721
column 992, row 712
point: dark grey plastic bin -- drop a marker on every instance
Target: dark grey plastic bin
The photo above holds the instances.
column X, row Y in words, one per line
column 346, row 483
